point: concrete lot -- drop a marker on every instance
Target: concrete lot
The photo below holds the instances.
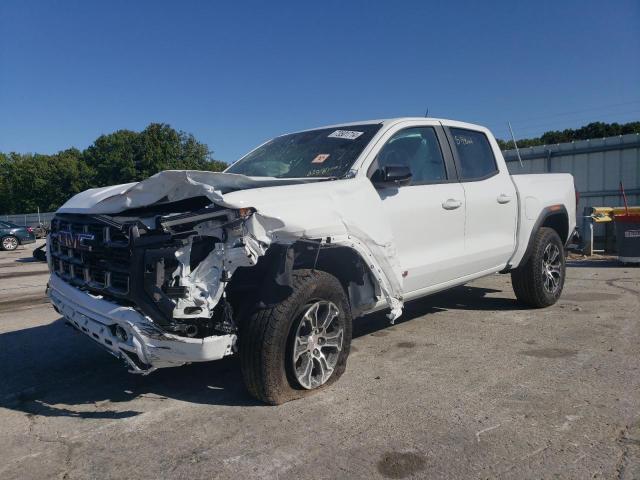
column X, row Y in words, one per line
column 466, row 385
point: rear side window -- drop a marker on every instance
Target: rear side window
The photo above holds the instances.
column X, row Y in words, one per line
column 475, row 157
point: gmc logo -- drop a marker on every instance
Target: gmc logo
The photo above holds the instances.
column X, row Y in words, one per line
column 74, row 240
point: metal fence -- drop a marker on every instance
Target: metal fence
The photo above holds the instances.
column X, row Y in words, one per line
column 598, row 166
column 30, row 219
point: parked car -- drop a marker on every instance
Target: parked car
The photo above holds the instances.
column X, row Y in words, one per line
column 273, row 258
column 12, row 235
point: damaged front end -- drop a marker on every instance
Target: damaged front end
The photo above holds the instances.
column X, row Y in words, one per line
column 158, row 271
column 170, row 263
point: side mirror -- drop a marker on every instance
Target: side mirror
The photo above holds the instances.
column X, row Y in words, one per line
column 391, row 176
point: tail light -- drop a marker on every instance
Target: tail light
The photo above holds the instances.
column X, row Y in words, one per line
column 29, row 229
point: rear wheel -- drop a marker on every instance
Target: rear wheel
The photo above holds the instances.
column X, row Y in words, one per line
column 10, row 243
column 539, row 282
column 299, row 345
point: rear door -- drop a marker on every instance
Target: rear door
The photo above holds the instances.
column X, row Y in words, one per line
column 427, row 216
column 490, row 197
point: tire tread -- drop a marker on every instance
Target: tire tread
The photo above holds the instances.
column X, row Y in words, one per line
column 527, row 279
column 260, row 340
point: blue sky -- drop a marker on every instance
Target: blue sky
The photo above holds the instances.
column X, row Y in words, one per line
column 237, row 73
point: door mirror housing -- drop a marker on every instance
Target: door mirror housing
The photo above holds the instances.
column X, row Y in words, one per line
column 391, row 176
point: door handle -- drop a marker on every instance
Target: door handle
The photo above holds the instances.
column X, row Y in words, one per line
column 451, row 204
column 504, row 198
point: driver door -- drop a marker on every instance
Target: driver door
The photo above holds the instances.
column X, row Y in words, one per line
column 427, row 215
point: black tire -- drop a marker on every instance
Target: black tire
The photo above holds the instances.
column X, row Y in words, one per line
column 9, row 243
column 530, row 280
column 266, row 336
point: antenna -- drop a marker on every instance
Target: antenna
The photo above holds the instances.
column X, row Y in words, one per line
column 513, row 137
column 427, row 114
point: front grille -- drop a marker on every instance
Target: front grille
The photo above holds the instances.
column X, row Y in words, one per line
column 91, row 255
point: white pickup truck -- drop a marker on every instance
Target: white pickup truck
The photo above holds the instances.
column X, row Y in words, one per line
column 273, row 258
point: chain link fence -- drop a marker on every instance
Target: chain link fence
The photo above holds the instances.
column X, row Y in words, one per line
column 30, row 219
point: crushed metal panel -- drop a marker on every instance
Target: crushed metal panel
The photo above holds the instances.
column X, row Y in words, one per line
column 164, row 187
column 343, row 211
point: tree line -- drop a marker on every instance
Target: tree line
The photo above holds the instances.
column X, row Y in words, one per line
column 30, row 181
column 592, row 130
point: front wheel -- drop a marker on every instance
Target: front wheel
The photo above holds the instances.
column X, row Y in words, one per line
column 9, row 243
column 299, row 345
column 538, row 283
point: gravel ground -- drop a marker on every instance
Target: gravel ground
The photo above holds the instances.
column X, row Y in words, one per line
column 466, row 385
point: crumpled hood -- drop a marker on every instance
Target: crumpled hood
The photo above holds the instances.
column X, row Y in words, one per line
column 348, row 211
column 166, row 186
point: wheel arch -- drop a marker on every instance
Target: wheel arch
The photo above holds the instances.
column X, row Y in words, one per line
column 555, row 217
column 355, row 276
column 269, row 281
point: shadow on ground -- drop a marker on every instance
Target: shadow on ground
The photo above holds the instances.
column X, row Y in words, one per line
column 598, row 263
column 459, row 298
column 52, row 370
column 27, row 260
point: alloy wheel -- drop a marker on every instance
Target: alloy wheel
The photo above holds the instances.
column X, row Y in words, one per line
column 551, row 268
column 9, row 243
column 317, row 344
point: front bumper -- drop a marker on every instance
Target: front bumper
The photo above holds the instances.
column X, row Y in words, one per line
column 146, row 347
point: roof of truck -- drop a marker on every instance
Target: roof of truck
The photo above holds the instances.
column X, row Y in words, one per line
column 393, row 120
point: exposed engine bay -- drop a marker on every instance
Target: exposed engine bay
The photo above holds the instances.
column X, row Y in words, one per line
column 172, row 264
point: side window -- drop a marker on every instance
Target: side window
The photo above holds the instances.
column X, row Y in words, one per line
column 475, row 156
column 418, row 149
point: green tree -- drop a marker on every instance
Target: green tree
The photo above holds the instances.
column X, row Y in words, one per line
column 126, row 156
column 71, row 174
column 6, row 199
column 45, row 181
column 592, row 130
column 113, row 157
column 29, row 181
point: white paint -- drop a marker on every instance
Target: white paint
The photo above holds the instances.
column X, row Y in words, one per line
column 485, row 430
column 413, row 212
column 152, row 345
column 490, row 229
column 549, row 189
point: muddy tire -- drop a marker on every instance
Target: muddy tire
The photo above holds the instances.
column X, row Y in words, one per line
column 9, row 243
column 539, row 282
column 299, row 345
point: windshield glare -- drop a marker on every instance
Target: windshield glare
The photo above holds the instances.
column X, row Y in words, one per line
column 327, row 152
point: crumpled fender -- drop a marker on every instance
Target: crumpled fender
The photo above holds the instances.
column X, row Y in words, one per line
column 348, row 212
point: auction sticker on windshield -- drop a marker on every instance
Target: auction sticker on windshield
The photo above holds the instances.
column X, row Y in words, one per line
column 320, row 158
column 348, row 134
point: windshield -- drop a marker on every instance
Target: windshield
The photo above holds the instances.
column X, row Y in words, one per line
column 327, row 152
